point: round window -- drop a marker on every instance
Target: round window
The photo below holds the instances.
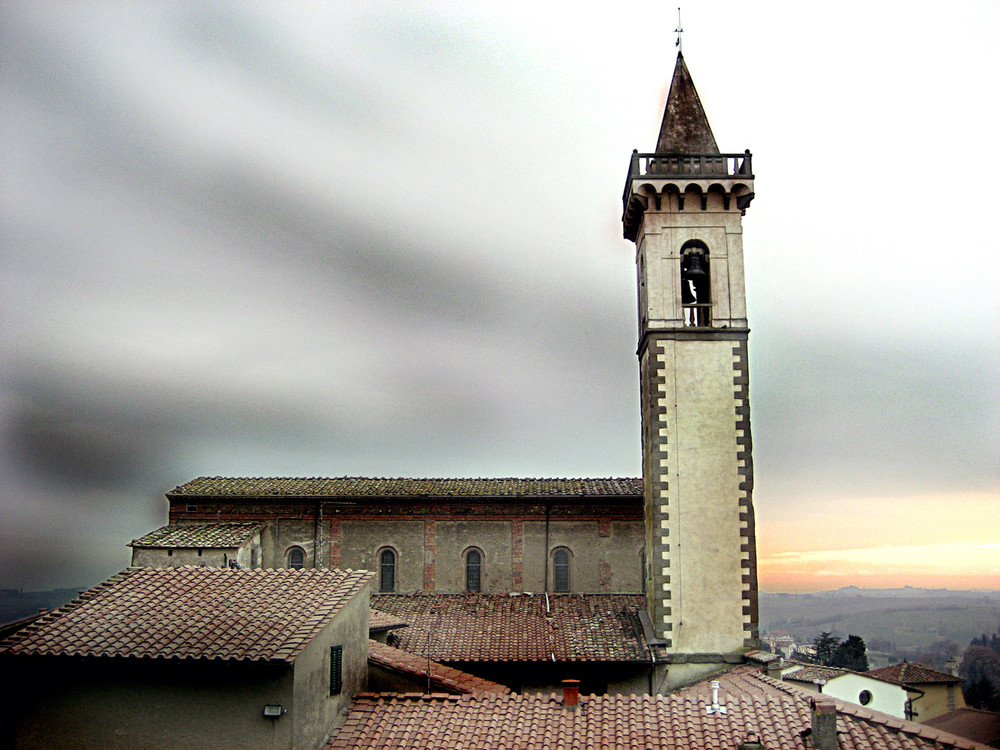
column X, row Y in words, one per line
column 864, row 697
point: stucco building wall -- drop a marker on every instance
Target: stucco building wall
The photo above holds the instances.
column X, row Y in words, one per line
column 937, row 699
column 104, row 703
column 147, row 557
column 315, row 712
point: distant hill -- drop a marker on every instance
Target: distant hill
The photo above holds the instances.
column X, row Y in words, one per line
column 919, row 624
column 907, row 592
column 15, row 604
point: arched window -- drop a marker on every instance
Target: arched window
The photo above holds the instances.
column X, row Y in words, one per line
column 473, row 571
column 296, row 558
column 696, row 286
column 560, row 570
column 387, row 570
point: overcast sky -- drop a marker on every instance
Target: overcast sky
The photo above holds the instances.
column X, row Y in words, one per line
column 384, row 239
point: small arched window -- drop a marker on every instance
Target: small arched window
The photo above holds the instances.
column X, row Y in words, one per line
column 473, row 571
column 296, row 558
column 696, row 286
column 387, row 570
column 560, row 570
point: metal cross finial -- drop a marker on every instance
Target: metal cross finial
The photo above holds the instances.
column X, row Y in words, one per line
column 679, row 31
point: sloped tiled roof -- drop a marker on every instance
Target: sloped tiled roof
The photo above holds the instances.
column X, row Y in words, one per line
column 911, row 673
column 194, row 613
column 755, row 703
column 380, row 621
column 502, row 627
column 763, row 657
column 974, row 723
column 204, row 535
column 815, row 674
column 403, row 487
column 443, row 679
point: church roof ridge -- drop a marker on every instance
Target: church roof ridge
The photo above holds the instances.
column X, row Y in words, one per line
column 685, row 128
column 348, row 486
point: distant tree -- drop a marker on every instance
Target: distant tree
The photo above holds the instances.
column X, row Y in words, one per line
column 851, row 654
column 825, row 645
column 980, row 662
column 991, row 642
column 979, row 693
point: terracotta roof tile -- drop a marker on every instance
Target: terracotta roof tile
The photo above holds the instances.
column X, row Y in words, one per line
column 193, row 612
column 402, row 487
column 911, row 673
column 763, row 657
column 502, row 627
column 974, row 723
column 815, row 674
column 819, row 675
column 755, row 703
column 444, row 679
column 380, row 621
column 206, row 535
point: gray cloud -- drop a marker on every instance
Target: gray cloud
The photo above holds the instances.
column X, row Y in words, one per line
column 338, row 240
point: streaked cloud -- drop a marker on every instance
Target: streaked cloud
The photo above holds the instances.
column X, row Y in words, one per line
column 348, row 239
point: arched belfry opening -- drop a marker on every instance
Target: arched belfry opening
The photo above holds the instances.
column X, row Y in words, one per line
column 696, row 286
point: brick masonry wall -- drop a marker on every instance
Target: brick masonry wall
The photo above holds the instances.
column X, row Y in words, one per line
column 606, row 576
column 430, row 535
column 334, row 542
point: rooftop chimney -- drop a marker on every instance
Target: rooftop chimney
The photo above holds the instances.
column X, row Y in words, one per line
column 715, row 708
column 571, row 693
column 824, row 725
column 952, row 666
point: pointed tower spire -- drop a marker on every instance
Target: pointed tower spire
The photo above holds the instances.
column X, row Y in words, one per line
column 685, row 128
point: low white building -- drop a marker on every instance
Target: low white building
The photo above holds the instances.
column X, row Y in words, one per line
column 853, row 687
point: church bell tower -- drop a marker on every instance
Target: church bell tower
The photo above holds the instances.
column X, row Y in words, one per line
column 683, row 208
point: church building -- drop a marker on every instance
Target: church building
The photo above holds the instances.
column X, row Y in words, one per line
column 682, row 534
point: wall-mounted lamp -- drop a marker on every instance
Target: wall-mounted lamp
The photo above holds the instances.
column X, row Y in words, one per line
column 273, row 711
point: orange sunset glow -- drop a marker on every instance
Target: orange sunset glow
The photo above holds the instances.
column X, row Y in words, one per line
column 934, row 541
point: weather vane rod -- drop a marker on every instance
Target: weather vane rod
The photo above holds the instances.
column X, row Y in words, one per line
column 679, row 31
